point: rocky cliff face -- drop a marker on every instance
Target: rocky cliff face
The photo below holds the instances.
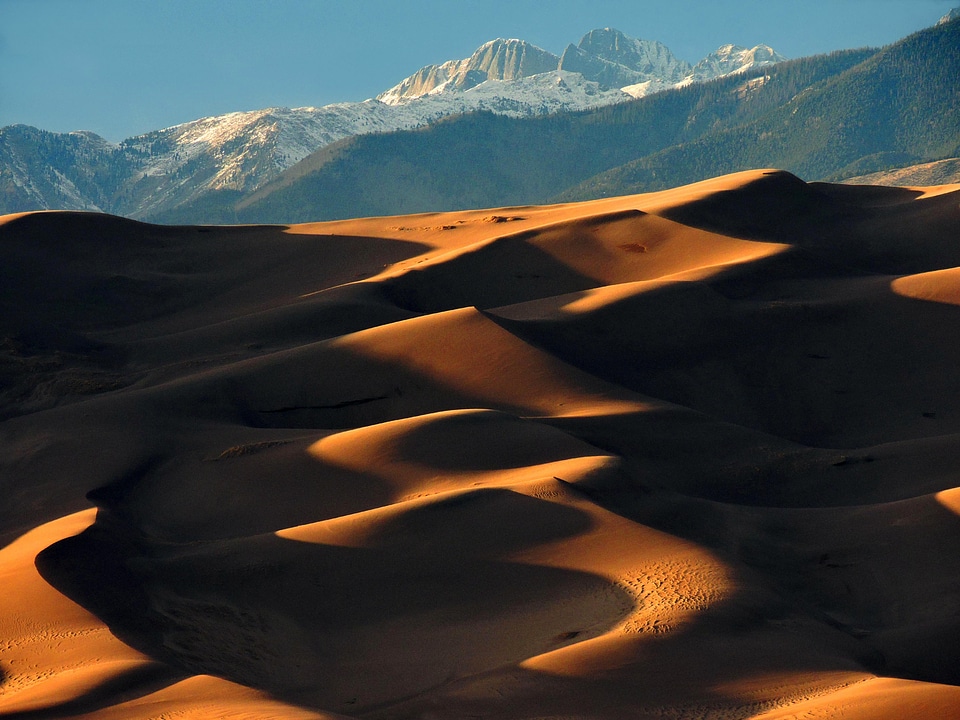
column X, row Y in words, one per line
column 495, row 60
column 611, row 58
column 607, row 57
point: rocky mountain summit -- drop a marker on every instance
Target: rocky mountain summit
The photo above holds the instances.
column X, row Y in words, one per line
column 616, row 60
column 607, row 57
column 730, row 59
column 494, row 60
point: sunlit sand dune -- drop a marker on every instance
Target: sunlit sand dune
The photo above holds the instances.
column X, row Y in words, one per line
column 684, row 454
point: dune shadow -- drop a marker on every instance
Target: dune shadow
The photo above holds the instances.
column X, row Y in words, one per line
column 235, row 490
column 395, row 609
column 91, row 272
column 805, row 612
column 878, row 573
column 792, row 345
column 870, row 229
column 484, row 441
column 122, row 687
column 776, row 206
column 430, row 595
column 507, row 270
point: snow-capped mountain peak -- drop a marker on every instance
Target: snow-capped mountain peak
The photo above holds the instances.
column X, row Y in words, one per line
column 611, row 57
column 606, row 57
column 729, row 59
column 500, row 59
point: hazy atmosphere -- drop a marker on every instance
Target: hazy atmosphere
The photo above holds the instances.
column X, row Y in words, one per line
column 121, row 67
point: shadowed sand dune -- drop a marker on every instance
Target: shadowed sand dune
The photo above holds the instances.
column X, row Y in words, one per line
column 685, row 454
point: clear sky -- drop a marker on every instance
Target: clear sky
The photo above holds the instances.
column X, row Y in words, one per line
column 124, row 67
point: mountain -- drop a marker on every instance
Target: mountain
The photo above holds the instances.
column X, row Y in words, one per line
column 56, row 170
column 615, row 60
column 495, row 60
column 533, row 160
column 900, row 106
column 831, row 116
column 190, row 170
column 725, row 60
column 160, row 170
column 607, row 57
column 732, row 59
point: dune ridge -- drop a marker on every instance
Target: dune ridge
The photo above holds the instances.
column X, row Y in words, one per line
column 683, row 454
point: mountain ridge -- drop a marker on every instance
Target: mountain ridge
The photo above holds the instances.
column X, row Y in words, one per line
column 606, row 56
column 533, row 160
column 610, row 57
column 825, row 118
column 153, row 174
column 251, row 167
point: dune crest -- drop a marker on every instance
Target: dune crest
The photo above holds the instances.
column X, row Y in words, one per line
column 689, row 453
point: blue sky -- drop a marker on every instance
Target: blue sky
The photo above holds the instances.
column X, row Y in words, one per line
column 123, row 67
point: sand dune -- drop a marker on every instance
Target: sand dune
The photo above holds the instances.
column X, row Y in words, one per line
column 684, row 454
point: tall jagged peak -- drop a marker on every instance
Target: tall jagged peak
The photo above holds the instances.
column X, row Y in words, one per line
column 499, row 42
column 510, row 59
column 499, row 59
column 605, row 56
column 648, row 57
column 611, row 44
column 613, row 59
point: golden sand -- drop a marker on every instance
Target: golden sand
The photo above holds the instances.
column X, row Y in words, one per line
column 684, row 454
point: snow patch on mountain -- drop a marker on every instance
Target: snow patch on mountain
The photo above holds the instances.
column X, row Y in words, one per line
column 733, row 59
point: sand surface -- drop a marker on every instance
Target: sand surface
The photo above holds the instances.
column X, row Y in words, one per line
column 686, row 454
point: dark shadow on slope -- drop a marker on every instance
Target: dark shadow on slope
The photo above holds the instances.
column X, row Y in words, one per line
column 69, row 279
column 295, row 618
column 503, row 271
column 861, row 227
column 326, row 314
column 123, row 687
column 880, row 574
column 824, row 590
column 783, row 345
column 674, row 674
column 92, row 570
column 86, row 271
column 215, row 491
column 776, row 207
column 485, row 441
